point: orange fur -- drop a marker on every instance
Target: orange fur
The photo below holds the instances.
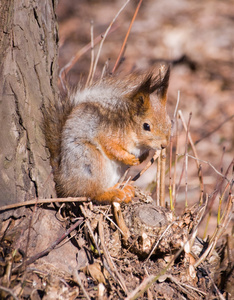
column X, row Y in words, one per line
column 101, row 130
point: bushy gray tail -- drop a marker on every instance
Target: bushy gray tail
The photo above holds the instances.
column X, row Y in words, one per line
column 55, row 116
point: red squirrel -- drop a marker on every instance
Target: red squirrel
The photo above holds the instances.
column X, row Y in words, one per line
column 101, row 130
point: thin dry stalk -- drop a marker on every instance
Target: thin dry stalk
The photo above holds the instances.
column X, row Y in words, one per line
column 147, row 282
column 185, row 154
column 207, row 222
column 78, row 55
column 204, row 256
column 175, row 165
column 104, row 70
column 9, row 291
column 143, row 287
column 156, row 156
column 158, row 241
column 158, row 181
column 49, row 249
column 162, row 177
column 77, row 279
column 189, row 135
column 221, row 297
column 230, row 195
column 219, row 186
column 151, row 279
column 64, row 70
column 170, row 176
column 120, row 221
column 202, row 184
column 217, row 234
column 186, row 174
column 184, row 287
column 177, row 105
column 43, row 201
column 174, row 123
column 126, row 38
column 220, row 204
column 92, row 54
column 111, row 221
column 213, row 167
column 194, row 152
column 93, row 239
column 225, row 218
column 108, row 257
column 103, row 39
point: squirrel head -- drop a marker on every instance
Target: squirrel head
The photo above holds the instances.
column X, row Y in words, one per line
column 152, row 124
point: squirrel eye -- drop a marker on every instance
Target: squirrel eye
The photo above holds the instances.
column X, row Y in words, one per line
column 146, row 126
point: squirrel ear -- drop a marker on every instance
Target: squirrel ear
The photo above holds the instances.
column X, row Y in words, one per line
column 161, row 84
column 143, row 87
column 140, row 95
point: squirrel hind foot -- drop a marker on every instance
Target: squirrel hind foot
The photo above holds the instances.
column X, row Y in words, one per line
column 117, row 194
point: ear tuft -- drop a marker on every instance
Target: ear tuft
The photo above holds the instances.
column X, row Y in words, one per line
column 161, row 84
column 144, row 87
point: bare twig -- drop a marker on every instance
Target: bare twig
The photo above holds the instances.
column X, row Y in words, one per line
column 219, row 186
column 208, row 163
column 77, row 279
column 194, row 151
column 147, row 282
column 218, row 232
column 120, row 221
column 77, row 56
column 53, row 245
column 156, row 155
column 158, row 240
column 187, row 286
column 126, row 37
column 186, row 150
column 173, row 123
column 162, row 177
column 103, row 39
column 8, row 291
column 92, row 55
column 108, row 257
column 111, row 221
column 44, row 201
column 104, row 70
column 158, row 175
column 170, row 175
column 220, row 204
column 175, row 165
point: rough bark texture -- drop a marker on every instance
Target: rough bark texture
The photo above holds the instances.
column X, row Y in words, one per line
column 28, row 76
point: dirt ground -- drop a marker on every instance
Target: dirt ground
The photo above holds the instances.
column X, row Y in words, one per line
column 86, row 257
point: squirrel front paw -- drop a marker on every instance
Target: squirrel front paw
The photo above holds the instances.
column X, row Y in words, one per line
column 124, row 194
column 117, row 194
column 131, row 160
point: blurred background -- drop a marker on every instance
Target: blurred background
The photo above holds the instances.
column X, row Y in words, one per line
column 197, row 38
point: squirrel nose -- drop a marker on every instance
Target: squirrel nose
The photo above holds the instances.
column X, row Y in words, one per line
column 164, row 145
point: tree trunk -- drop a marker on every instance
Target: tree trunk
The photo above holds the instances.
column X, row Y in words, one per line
column 28, row 76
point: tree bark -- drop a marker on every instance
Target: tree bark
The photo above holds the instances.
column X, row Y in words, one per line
column 28, row 76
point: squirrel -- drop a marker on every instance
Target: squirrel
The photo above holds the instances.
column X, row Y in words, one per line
column 99, row 131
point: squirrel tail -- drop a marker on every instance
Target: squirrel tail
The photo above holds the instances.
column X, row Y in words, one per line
column 55, row 116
